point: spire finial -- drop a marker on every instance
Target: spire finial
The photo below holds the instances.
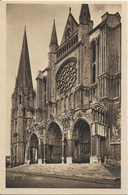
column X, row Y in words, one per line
column 53, row 21
column 25, row 27
column 69, row 9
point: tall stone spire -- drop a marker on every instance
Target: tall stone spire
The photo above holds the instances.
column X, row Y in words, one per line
column 24, row 76
column 25, row 96
column 84, row 14
column 54, row 41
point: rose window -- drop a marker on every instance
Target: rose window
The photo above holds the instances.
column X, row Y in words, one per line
column 66, row 77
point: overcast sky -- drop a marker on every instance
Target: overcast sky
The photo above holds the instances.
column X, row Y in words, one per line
column 38, row 19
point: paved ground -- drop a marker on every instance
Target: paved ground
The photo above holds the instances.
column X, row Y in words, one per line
column 21, row 180
column 64, row 176
column 97, row 171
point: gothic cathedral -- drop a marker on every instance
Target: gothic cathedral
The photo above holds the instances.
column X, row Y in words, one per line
column 74, row 115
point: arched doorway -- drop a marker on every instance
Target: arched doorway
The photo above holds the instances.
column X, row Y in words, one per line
column 53, row 144
column 33, row 149
column 81, row 142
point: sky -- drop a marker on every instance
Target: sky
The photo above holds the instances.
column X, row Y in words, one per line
column 38, row 19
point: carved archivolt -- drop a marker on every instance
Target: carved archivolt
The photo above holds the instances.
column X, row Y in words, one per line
column 66, row 77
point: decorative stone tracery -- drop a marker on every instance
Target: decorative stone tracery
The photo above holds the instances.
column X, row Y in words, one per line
column 66, row 77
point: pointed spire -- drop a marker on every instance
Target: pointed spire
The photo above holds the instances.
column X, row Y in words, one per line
column 54, row 35
column 84, row 14
column 24, row 73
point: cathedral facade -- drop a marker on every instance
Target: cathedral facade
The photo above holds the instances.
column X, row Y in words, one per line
column 75, row 114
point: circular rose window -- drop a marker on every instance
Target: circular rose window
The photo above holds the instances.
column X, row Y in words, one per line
column 66, row 77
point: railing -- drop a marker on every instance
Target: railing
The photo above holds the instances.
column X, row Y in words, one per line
column 67, row 46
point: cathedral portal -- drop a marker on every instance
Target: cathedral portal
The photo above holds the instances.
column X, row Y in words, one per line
column 53, row 144
column 81, row 142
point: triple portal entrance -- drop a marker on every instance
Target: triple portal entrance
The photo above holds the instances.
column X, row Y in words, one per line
column 54, row 149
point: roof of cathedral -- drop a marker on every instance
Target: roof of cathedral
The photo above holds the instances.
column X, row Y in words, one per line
column 70, row 28
column 54, row 35
column 24, row 76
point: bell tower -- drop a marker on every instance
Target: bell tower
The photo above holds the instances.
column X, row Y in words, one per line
column 22, row 106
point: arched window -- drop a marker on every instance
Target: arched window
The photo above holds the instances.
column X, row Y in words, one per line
column 93, row 73
column 93, row 51
column 93, row 55
column 98, row 54
column 44, row 83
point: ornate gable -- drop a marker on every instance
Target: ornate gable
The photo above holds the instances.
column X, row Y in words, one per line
column 70, row 28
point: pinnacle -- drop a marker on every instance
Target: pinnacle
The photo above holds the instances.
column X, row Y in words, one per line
column 84, row 14
column 54, row 35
